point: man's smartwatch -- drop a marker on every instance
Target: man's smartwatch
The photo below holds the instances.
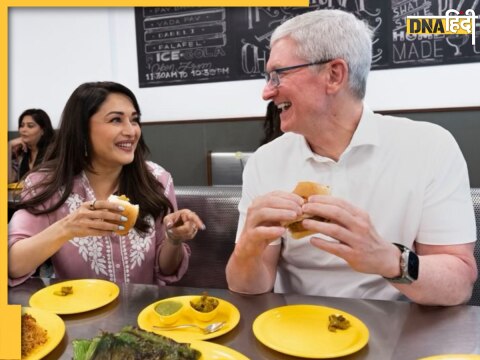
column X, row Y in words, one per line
column 408, row 266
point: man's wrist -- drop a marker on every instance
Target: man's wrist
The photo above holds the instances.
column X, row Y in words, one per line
column 395, row 270
column 246, row 250
column 409, row 266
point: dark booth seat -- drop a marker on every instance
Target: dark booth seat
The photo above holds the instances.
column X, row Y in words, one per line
column 217, row 206
column 475, row 299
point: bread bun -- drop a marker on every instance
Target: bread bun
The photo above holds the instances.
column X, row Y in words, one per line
column 306, row 189
column 130, row 212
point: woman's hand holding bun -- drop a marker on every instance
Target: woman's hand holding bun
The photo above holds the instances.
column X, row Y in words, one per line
column 130, row 212
column 93, row 218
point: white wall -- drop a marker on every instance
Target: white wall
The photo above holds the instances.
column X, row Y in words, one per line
column 53, row 50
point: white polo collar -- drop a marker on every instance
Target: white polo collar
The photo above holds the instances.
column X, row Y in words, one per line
column 366, row 134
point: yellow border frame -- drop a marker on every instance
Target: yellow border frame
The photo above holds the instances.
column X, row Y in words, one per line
column 10, row 314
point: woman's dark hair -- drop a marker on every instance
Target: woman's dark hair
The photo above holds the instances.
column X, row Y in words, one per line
column 43, row 120
column 69, row 155
column 271, row 126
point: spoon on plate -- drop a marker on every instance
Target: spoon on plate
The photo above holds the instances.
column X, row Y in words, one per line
column 211, row 328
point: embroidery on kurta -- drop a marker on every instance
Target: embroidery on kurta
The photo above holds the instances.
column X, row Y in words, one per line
column 140, row 245
column 98, row 251
column 90, row 248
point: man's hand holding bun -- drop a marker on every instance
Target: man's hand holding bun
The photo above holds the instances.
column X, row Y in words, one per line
column 305, row 189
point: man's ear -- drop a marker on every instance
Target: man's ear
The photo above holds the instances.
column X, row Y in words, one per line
column 337, row 75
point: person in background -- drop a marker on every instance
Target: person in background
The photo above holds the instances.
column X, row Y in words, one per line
column 271, row 126
column 64, row 212
column 28, row 150
column 400, row 219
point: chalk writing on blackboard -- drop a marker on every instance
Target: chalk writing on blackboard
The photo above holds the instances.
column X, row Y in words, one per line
column 184, row 45
column 181, row 44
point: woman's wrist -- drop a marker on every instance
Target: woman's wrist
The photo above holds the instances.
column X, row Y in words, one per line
column 175, row 242
column 172, row 239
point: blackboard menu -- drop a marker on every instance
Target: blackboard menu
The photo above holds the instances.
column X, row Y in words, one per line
column 184, row 45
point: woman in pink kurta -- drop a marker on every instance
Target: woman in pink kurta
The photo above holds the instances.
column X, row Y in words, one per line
column 65, row 214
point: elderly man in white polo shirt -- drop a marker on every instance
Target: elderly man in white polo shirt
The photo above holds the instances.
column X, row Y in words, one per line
column 401, row 221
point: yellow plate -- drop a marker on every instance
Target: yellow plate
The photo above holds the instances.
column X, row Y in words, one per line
column 302, row 330
column 226, row 312
column 15, row 186
column 55, row 330
column 212, row 351
column 452, row 357
column 88, row 294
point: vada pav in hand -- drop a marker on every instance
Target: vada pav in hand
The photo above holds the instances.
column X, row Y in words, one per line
column 67, row 212
column 130, row 211
column 305, row 189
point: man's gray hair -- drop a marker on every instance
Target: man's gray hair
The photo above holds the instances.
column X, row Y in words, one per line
column 331, row 34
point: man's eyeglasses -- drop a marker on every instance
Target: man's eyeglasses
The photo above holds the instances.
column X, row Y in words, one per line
column 274, row 75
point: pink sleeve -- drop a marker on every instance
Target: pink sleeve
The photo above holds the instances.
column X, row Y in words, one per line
column 24, row 225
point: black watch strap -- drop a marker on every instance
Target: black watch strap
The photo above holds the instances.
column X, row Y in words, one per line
column 409, row 265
